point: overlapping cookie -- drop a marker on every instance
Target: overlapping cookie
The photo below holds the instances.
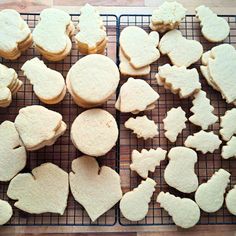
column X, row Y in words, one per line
column 15, row 35
column 92, row 37
column 52, row 34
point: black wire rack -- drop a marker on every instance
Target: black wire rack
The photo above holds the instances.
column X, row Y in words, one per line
column 62, row 152
column 207, row 164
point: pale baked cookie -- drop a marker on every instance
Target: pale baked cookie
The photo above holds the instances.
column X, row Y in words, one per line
column 15, row 35
column 52, row 34
column 179, row 80
column 93, row 80
column 139, row 46
column 96, row 188
column 45, row 190
column 202, row 110
column 134, row 204
column 128, row 70
column 5, row 97
column 179, row 173
column 203, row 141
column 210, row 195
column 39, row 126
column 48, row 84
column 94, row 132
column 184, row 211
column 219, row 69
column 146, row 160
column 229, row 150
column 5, row 212
column 181, row 51
column 230, row 201
column 12, row 152
column 228, row 124
column 174, row 123
column 142, row 127
column 214, row 28
column 167, row 16
column 136, row 95
column 92, row 35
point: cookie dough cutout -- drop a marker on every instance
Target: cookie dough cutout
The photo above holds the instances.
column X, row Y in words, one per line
column 184, row 211
column 202, row 110
column 203, row 141
column 181, row 51
column 228, row 124
column 147, row 160
column 179, row 80
column 167, row 17
column 5, row 212
column 134, row 204
column 12, row 152
column 96, row 188
column 47, row 190
column 48, row 84
column 142, row 127
column 136, row 95
column 230, row 201
column 94, row 132
column 179, row 173
column 134, row 41
column 127, row 69
column 174, row 123
column 35, row 118
column 229, row 150
column 92, row 32
column 214, row 28
column 210, row 195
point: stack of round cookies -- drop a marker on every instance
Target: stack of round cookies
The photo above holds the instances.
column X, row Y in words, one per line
column 15, row 35
column 52, row 34
column 92, row 80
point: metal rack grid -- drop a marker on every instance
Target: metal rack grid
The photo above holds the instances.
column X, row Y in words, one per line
column 207, row 164
column 63, row 151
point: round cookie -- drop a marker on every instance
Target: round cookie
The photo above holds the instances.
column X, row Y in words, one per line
column 94, row 132
column 5, row 212
column 94, row 78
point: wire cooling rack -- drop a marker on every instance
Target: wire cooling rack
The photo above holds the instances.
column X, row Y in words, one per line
column 207, row 164
column 62, row 152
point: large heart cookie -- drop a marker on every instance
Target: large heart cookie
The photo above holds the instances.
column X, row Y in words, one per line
column 45, row 190
column 96, row 189
column 12, row 153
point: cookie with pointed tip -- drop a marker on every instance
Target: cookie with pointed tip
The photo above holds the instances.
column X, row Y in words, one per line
column 96, row 188
column 214, row 28
column 228, row 124
column 139, row 46
column 142, row 127
column 134, row 204
column 181, row 51
column 210, row 195
column 179, row 173
column 184, row 211
column 45, row 190
column 203, row 141
column 230, row 200
column 229, row 150
column 174, row 123
column 5, row 212
column 167, row 16
column 136, row 95
column 180, row 80
column 94, row 132
column 48, row 84
column 12, row 152
column 202, row 110
column 146, row 160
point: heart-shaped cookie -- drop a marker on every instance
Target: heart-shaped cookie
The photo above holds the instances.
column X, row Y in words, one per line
column 96, row 189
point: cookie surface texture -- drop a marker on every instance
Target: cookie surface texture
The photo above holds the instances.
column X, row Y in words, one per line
column 5, row 212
